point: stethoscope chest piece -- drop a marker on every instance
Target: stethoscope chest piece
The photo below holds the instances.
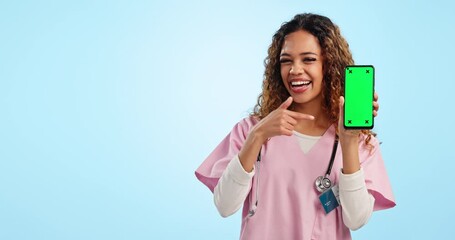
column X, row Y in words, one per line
column 322, row 183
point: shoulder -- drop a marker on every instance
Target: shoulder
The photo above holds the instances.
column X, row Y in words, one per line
column 243, row 127
column 248, row 122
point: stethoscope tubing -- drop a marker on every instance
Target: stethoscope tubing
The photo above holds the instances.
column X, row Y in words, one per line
column 322, row 183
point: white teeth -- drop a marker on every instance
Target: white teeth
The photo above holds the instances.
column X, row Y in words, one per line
column 298, row 83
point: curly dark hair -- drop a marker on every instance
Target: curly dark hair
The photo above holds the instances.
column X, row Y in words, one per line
column 335, row 54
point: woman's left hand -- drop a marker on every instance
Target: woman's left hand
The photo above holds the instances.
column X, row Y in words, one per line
column 349, row 140
column 343, row 133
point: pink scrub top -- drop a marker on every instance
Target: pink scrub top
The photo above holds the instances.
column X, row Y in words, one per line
column 288, row 206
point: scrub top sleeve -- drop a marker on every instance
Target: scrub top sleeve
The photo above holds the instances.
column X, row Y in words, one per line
column 212, row 168
column 376, row 178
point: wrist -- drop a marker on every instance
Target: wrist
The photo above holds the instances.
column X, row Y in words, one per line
column 257, row 136
column 350, row 149
column 349, row 139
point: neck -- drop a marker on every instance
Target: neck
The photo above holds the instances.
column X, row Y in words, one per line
column 316, row 127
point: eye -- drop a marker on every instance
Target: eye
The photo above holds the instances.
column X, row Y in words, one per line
column 285, row 61
column 308, row 59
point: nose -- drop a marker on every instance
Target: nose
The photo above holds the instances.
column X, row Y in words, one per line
column 296, row 69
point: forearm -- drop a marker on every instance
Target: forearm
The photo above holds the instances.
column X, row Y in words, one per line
column 232, row 188
column 250, row 150
column 356, row 202
column 350, row 149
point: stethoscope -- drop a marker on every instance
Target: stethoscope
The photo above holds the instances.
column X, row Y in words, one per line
column 322, row 182
column 255, row 205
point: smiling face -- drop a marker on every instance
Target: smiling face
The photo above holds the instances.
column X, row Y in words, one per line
column 301, row 67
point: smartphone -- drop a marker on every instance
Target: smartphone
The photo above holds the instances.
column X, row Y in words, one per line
column 358, row 95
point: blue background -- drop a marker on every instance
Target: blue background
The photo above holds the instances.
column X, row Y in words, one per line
column 108, row 107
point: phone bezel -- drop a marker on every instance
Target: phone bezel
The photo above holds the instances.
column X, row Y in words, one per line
column 344, row 94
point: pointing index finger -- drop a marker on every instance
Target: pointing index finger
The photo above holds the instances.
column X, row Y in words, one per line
column 298, row 115
column 286, row 103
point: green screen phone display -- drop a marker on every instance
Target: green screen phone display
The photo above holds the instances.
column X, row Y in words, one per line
column 358, row 95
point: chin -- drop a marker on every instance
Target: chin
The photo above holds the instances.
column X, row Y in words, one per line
column 306, row 99
column 300, row 99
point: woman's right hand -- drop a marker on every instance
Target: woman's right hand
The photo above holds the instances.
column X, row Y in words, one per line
column 279, row 122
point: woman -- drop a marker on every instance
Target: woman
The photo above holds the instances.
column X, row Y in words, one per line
column 270, row 160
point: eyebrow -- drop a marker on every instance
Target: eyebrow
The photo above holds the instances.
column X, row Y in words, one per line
column 304, row 53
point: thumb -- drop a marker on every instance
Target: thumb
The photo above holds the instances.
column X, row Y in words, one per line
column 341, row 104
column 286, row 103
column 341, row 109
column 340, row 114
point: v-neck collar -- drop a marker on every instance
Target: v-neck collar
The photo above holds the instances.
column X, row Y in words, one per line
column 327, row 138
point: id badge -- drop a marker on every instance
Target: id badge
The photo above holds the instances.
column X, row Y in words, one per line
column 330, row 199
